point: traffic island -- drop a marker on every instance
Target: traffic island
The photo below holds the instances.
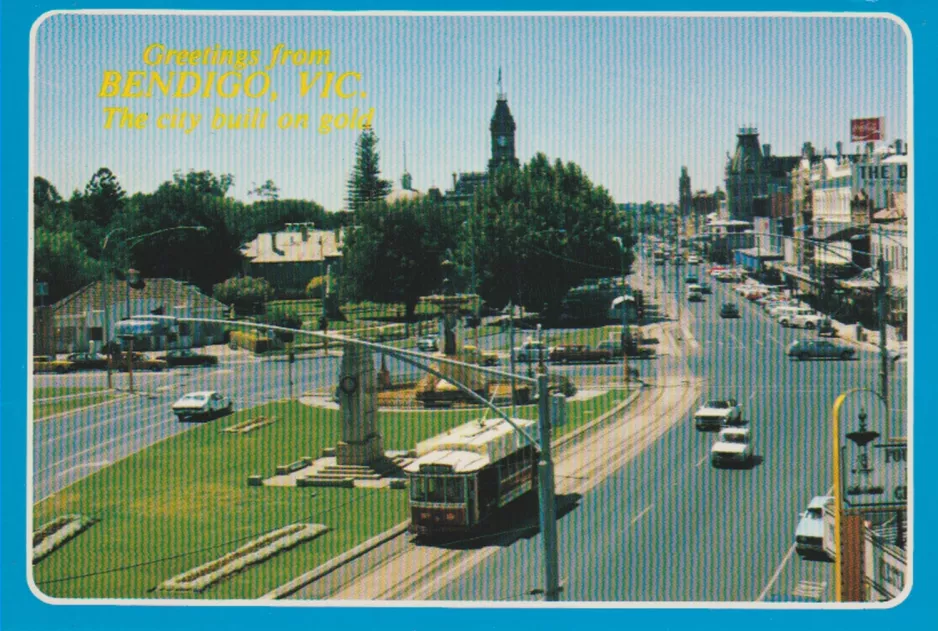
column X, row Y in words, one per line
column 57, row 532
column 256, row 551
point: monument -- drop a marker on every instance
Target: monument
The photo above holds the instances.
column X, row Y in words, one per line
column 358, row 401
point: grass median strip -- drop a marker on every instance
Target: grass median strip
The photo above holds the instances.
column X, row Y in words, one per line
column 48, row 401
column 184, row 503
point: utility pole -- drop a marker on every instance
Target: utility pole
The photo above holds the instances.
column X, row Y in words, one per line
column 545, row 470
column 883, row 351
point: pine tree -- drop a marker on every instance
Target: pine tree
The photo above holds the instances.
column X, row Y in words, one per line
column 365, row 184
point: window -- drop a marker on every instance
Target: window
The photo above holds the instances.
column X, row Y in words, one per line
column 417, row 488
column 435, row 490
column 455, row 490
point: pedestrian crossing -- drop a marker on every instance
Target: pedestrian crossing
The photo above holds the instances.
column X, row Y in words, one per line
column 815, row 590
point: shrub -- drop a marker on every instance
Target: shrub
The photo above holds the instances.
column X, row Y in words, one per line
column 251, row 341
column 316, row 286
column 246, row 293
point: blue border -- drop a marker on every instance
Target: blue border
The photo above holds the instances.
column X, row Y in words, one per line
column 19, row 609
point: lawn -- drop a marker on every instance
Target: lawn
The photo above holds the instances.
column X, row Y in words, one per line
column 54, row 400
column 557, row 337
column 185, row 501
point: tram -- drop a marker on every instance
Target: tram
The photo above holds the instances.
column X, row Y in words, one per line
column 460, row 478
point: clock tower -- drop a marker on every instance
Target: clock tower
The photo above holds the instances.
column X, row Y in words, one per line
column 502, row 129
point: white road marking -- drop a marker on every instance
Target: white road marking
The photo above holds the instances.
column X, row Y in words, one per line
column 810, row 589
column 640, row 515
column 87, row 465
column 702, row 460
column 778, row 572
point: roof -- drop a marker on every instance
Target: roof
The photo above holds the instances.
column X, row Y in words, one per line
column 171, row 293
column 291, row 246
column 820, row 501
column 487, row 440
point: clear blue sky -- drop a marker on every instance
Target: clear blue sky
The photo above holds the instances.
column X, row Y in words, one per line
column 629, row 99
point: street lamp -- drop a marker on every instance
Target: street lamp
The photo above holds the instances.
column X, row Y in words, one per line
column 130, row 242
column 624, row 307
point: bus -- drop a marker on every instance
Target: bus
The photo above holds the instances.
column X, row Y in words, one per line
column 462, row 477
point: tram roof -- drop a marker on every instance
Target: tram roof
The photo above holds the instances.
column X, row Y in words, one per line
column 472, row 445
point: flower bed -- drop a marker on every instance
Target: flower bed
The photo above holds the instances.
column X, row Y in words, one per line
column 53, row 534
column 258, row 550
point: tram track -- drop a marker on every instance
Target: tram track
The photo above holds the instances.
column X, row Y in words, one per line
column 400, row 571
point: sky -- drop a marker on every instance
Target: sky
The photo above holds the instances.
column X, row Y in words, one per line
column 631, row 99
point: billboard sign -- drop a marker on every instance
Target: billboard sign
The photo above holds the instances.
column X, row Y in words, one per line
column 867, row 129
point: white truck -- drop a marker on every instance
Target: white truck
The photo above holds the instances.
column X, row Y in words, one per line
column 717, row 414
column 732, row 448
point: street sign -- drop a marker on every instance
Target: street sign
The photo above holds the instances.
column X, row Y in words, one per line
column 42, row 289
column 873, row 468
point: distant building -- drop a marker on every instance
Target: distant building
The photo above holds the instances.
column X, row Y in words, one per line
column 77, row 322
column 290, row 258
column 754, row 175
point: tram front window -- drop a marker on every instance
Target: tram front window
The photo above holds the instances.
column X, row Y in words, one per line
column 454, row 490
column 435, row 487
column 417, row 488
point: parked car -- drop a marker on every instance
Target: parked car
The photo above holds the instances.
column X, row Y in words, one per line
column 819, row 349
column 48, row 363
column 142, row 362
column 705, row 288
column 809, row 321
column 428, row 344
column 474, row 355
column 718, row 413
column 809, row 535
column 531, row 352
column 691, row 279
column 186, row 357
column 729, row 310
column 693, row 260
column 693, row 294
column 732, row 448
column 203, row 405
column 569, row 354
column 791, row 316
column 84, row 361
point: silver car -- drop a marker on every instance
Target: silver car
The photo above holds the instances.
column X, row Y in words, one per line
column 819, row 349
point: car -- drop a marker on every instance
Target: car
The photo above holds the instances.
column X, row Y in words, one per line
column 569, row 354
column 790, row 317
column 705, row 288
column 83, row 361
column 428, row 344
column 733, row 447
column 819, row 349
column 718, row 413
column 691, row 279
column 531, row 352
column 693, row 260
column 186, row 357
column 694, row 295
column 810, row 321
column 142, row 362
column 729, row 310
column 809, row 535
column 48, row 363
column 204, row 405
column 473, row 355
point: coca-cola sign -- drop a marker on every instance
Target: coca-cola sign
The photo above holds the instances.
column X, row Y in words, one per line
column 867, row 129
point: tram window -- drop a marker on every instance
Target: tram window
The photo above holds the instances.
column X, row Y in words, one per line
column 417, row 488
column 454, row 490
column 435, row 490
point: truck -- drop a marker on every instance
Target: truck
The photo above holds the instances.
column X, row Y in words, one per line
column 717, row 414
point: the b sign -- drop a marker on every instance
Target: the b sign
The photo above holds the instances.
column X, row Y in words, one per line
column 872, row 467
column 867, row 129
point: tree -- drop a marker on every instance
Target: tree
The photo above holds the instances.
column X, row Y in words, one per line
column 365, row 185
column 267, row 191
column 96, row 208
column 200, row 257
column 393, row 253
column 536, row 232
column 246, row 293
column 60, row 260
column 50, row 211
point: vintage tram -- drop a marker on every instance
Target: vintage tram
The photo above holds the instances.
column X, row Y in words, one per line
column 460, row 478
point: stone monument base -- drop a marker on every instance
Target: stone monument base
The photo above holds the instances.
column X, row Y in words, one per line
column 361, row 452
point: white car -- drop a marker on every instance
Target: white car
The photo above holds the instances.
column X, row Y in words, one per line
column 531, row 352
column 718, row 413
column 787, row 317
column 203, row 405
column 806, row 320
column 809, row 536
column 693, row 260
column 732, row 448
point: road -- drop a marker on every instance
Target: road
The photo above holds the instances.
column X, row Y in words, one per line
column 662, row 525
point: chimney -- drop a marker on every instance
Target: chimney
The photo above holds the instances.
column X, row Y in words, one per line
column 899, row 146
column 766, row 151
column 454, row 180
